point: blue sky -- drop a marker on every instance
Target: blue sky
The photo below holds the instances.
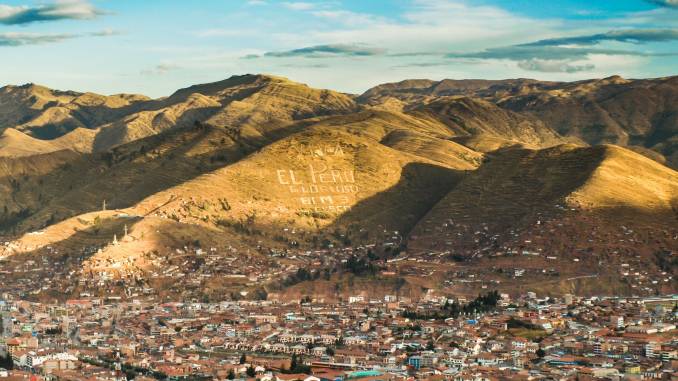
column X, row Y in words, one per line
column 156, row 46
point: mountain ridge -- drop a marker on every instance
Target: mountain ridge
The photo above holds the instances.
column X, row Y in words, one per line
column 275, row 176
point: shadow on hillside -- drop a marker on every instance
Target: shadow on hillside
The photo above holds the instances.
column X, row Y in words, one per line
column 401, row 206
column 516, row 188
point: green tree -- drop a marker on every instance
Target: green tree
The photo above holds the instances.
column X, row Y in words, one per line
column 6, row 363
column 251, row 372
column 293, row 363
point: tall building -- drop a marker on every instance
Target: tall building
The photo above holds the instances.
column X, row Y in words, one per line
column 6, row 324
column 616, row 322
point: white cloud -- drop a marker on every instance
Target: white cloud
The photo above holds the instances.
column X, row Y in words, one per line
column 220, row 32
column 432, row 25
column 310, row 45
column 21, row 39
column 665, row 3
column 14, row 39
column 299, row 6
column 554, row 66
column 160, row 69
column 59, row 10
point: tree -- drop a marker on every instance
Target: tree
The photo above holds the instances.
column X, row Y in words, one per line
column 251, row 372
column 231, row 374
column 6, row 363
column 541, row 353
column 243, row 359
column 260, row 294
column 293, row 363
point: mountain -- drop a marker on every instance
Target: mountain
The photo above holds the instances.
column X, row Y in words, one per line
column 47, row 114
column 413, row 91
column 253, row 106
column 228, row 189
column 516, row 185
column 468, row 117
column 639, row 114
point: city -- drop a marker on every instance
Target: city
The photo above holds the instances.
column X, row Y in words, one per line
column 492, row 337
column 338, row 190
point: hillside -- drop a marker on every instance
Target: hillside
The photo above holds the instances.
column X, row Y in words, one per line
column 522, row 204
column 515, row 183
column 414, row 91
column 47, row 114
column 14, row 143
column 251, row 106
column 612, row 110
column 319, row 174
column 468, row 117
column 229, row 188
column 639, row 114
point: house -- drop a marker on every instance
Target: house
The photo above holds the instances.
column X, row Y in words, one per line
column 296, row 377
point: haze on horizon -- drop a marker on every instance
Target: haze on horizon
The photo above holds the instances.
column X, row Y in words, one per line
column 153, row 47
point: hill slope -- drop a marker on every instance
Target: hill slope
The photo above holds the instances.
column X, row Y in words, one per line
column 225, row 189
column 639, row 114
column 597, row 206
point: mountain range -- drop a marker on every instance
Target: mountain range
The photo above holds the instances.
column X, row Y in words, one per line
column 260, row 185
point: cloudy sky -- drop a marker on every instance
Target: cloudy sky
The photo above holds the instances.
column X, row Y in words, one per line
column 156, row 46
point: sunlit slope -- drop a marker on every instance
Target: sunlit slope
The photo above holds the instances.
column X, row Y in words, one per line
column 627, row 181
column 127, row 174
column 307, row 181
column 417, row 91
column 14, row 143
column 628, row 112
column 443, row 151
column 146, row 123
column 250, row 106
column 150, row 151
column 47, row 114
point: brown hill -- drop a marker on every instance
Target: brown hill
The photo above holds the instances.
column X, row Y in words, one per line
column 310, row 179
column 639, row 114
column 597, row 206
column 20, row 104
column 14, row 143
column 413, row 91
column 48, row 114
column 251, row 106
column 514, row 183
column 475, row 117
column 612, row 110
column 246, row 180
